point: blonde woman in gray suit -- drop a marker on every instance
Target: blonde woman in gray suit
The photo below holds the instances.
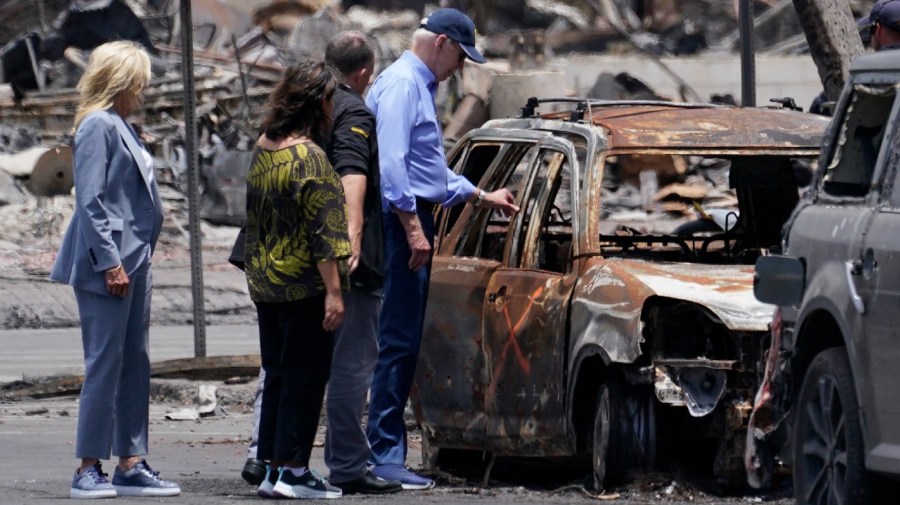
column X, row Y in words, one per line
column 105, row 256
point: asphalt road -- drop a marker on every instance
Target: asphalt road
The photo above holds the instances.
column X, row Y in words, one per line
column 205, row 457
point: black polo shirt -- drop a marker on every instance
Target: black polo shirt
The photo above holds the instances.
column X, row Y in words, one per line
column 353, row 149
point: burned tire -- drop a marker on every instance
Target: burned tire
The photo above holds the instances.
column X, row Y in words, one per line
column 828, row 442
column 624, row 436
column 601, row 438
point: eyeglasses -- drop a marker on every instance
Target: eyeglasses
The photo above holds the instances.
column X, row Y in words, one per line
column 462, row 53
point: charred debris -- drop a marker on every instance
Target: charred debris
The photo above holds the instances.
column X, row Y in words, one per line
column 241, row 47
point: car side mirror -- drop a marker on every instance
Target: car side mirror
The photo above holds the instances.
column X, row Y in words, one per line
column 779, row 280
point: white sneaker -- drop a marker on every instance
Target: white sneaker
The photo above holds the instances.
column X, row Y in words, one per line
column 308, row 485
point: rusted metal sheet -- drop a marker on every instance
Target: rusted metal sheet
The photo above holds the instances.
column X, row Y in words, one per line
column 525, row 348
column 609, row 297
column 712, row 127
column 502, row 389
column 726, row 290
column 451, row 368
column 767, row 414
column 606, row 311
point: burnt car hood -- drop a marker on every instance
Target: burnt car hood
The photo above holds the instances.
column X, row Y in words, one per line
column 726, row 290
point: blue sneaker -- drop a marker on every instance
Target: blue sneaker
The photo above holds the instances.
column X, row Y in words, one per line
column 409, row 480
column 266, row 488
column 91, row 483
column 141, row 480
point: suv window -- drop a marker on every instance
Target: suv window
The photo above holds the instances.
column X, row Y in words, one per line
column 545, row 237
column 484, row 231
column 859, row 137
column 478, row 160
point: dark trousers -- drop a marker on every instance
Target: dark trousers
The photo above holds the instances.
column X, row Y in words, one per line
column 296, row 355
column 399, row 336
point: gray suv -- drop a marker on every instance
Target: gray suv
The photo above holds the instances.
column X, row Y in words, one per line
column 829, row 404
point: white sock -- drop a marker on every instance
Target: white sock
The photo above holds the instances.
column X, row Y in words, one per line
column 296, row 470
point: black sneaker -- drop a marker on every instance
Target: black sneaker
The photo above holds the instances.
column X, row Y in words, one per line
column 308, row 485
column 254, row 471
column 369, row 484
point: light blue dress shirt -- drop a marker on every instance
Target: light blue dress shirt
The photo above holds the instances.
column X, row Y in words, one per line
column 410, row 149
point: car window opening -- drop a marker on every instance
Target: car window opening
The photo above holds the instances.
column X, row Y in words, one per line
column 859, row 141
column 728, row 227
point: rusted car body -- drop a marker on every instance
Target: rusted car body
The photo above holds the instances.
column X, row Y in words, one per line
column 550, row 334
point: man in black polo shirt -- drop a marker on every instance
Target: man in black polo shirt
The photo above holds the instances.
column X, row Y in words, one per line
column 353, row 150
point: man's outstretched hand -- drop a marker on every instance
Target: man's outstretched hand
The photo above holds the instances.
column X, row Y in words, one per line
column 502, row 200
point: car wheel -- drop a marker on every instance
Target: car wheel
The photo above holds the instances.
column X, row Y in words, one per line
column 828, row 443
column 624, row 436
column 601, row 438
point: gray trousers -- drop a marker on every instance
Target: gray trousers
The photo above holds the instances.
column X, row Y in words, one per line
column 113, row 410
column 352, row 365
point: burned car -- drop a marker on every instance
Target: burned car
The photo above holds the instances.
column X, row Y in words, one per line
column 553, row 333
column 828, row 407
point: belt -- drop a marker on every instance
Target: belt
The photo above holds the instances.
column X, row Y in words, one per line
column 422, row 203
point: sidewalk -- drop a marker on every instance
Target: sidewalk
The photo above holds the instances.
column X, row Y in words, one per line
column 31, row 353
column 205, row 456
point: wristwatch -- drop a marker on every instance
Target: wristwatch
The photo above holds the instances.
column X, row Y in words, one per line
column 480, row 198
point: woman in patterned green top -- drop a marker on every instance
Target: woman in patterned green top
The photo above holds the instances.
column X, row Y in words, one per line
column 296, row 241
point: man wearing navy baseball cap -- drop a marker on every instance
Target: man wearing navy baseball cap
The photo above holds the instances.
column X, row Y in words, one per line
column 880, row 30
column 415, row 179
column 457, row 27
column 884, row 22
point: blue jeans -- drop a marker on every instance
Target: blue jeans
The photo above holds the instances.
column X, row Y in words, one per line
column 399, row 336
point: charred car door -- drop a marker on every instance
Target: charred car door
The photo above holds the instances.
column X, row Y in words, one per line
column 526, row 310
column 449, row 388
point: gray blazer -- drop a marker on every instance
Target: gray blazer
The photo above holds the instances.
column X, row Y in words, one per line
column 118, row 213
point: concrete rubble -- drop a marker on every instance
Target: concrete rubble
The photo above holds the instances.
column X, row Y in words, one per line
column 241, row 47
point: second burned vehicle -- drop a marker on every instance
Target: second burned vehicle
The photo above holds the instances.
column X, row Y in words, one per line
column 555, row 333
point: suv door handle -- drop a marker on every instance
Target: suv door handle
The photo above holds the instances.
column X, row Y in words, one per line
column 864, row 265
column 857, row 300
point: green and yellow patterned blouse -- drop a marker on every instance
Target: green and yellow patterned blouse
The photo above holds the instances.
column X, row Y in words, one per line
column 296, row 218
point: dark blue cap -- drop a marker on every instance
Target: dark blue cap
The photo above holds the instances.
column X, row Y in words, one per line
column 458, row 27
column 885, row 13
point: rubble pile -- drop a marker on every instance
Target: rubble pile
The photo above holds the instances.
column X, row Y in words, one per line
column 241, row 47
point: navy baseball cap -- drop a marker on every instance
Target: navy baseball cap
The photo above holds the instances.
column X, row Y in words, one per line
column 458, row 27
column 885, row 13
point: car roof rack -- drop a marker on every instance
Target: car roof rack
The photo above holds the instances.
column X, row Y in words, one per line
column 585, row 104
